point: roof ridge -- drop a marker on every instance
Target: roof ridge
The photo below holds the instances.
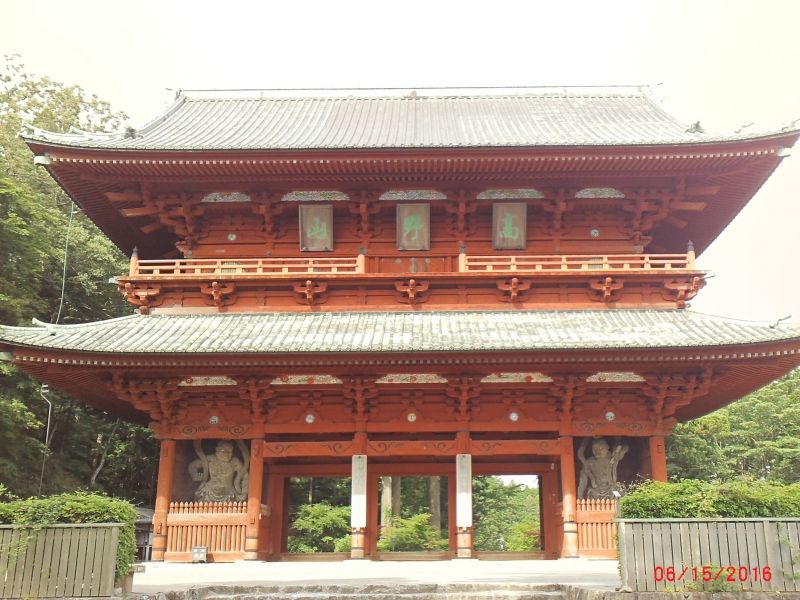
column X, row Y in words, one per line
column 407, row 96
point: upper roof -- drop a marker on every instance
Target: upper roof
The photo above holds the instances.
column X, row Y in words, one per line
column 540, row 117
column 356, row 332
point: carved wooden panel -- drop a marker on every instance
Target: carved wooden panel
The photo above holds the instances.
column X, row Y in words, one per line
column 509, row 225
column 316, row 228
column 413, row 227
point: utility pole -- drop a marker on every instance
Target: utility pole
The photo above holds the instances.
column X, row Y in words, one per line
column 42, row 391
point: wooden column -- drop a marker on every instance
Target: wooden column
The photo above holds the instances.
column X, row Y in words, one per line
column 276, row 484
column 569, row 548
column 464, row 505
column 658, row 458
column 166, row 476
column 548, row 483
column 358, row 506
column 255, row 485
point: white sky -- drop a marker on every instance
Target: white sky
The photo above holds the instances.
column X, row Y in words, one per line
column 724, row 62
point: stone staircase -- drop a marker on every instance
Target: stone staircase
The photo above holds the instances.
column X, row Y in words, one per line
column 383, row 591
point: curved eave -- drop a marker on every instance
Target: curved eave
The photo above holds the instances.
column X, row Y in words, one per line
column 52, row 142
column 739, row 167
column 738, row 369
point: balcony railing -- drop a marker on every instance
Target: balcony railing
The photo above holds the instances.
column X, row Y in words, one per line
column 277, row 267
column 623, row 262
column 204, row 267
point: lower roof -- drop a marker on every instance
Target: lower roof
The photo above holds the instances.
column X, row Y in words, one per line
column 398, row 332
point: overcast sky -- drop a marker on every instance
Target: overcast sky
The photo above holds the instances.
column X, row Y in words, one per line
column 726, row 63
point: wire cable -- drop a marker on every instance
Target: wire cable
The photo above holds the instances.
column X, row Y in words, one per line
column 72, row 212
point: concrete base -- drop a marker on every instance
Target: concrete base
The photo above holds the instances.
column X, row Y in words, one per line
column 166, row 577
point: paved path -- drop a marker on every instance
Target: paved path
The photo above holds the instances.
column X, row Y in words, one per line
column 162, row 577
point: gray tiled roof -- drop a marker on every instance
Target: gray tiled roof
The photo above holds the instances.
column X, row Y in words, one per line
column 456, row 331
column 543, row 118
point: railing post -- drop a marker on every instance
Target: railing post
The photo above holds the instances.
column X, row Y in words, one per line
column 134, row 265
column 462, row 262
column 690, row 256
column 361, row 263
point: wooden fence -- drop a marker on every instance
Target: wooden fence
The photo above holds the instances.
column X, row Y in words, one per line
column 58, row 561
column 706, row 554
column 597, row 529
column 218, row 526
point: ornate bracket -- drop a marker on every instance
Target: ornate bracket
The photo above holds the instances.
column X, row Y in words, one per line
column 311, row 293
column 269, row 208
column 256, row 391
column 360, row 390
column 565, row 389
column 462, row 226
column 156, row 397
column 605, row 289
column 680, row 291
column 512, row 290
column 669, row 392
column 465, row 390
column 411, row 291
column 180, row 213
column 219, row 294
column 144, row 298
column 364, row 210
column 557, row 209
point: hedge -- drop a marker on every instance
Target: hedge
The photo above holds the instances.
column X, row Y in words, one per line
column 691, row 498
column 78, row 507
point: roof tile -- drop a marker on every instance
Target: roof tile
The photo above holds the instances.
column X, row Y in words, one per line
column 541, row 118
column 452, row 331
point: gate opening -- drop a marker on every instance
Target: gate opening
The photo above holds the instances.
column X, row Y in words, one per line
column 507, row 520
column 414, row 519
column 318, row 514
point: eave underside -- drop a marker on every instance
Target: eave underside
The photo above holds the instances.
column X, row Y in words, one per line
column 739, row 169
column 735, row 370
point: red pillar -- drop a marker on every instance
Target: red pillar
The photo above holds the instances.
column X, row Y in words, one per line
column 255, row 483
column 658, row 458
column 275, row 501
column 569, row 548
column 166, row 475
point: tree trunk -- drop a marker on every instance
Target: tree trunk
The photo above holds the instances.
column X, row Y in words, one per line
column 102, row 460
column 434, row 495
column 396, row 496
column 386, row 501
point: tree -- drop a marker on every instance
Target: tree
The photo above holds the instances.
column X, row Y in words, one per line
column 37, row 224
column 506, row 517
column 757, row 437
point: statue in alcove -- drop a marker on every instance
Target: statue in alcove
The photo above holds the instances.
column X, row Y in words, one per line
column 598, row 478
column 222, row 476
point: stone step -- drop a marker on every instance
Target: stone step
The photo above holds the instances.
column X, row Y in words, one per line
column 334, row 591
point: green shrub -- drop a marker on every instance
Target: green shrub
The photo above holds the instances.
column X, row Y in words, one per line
column 319, row 527
column 698, row 499
column 78, row 507
column 413, row 533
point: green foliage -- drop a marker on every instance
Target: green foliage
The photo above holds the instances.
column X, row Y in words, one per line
column 78, row 508
column 414, row 533
column 319, row 527
column 758, row 437
column 698, row 499
column 506, row 517
column 36, row 217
